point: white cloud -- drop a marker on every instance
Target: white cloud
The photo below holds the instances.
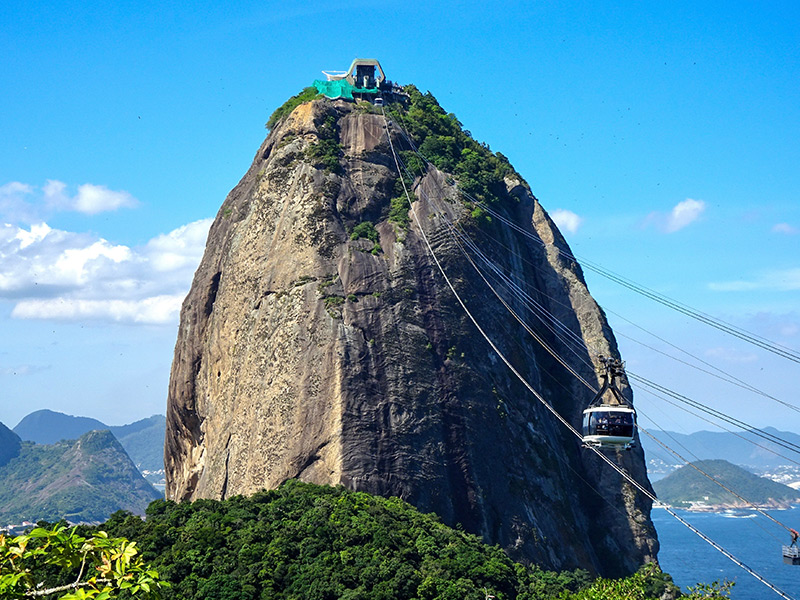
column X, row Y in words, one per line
column 92, row 199
column 55, row 196
column 21, row 202
column 155, row 310
column 684, row 213
column 13, row 200
column 731, row 355
column 21, row 370
column 785, row 228
column 178, row 248
column 782, row 326
column 15, row 188
column 54, row 274
column 566, row 219
column 784, row 280
column 36, row 234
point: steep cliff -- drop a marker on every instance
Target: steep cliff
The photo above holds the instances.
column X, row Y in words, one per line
column 319, row 341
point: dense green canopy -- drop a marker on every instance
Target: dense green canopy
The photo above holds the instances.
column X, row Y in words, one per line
column 322, row 543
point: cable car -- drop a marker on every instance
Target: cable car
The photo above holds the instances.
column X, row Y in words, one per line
column 791, row 555
column 609, row 423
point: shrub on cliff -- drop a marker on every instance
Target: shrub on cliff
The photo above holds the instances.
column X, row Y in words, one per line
column 441, row 139
column 284, row 109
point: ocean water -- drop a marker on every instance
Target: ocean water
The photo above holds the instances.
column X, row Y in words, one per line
column 749, row 536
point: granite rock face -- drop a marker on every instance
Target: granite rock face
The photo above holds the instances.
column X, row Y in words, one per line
column 303, row 353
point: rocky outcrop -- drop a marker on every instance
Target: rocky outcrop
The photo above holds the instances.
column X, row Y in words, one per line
column 304, row 353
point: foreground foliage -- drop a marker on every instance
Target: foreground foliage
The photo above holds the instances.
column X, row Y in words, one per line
column 323, row 543
column 300, row 541
column 58, row 563
column 318, row 543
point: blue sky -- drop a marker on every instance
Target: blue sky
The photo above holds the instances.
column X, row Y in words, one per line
column 663, row 138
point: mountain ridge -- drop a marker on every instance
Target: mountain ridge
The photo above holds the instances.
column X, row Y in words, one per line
column 688, row 487
column 85, row 479
column 744, row 448
column 319, row 341
column 143, row 440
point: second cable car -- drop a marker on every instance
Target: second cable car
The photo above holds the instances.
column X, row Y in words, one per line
column 610, row 420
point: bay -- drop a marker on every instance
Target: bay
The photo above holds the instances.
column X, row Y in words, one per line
column 750, row 537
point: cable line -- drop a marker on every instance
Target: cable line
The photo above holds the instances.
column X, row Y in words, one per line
column 728, row 328
column 709, row 421
column 594, row 389
column 712, row 478
column 540, row 309
column 457, row 234
column 544, row 403
column 737, row 332
column 720, row 374
column 791, row 446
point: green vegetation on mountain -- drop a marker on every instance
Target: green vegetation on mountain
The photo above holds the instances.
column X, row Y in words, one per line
column 284, row 109
column 319, row 543
column 82, row 480
column 440, row 138
column 143, row 440
column 10, row 444
column 686, row 486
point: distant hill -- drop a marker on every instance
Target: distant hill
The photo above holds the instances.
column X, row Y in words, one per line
column 723, row 445
column 142, row 440
column 49, row 427
column 80, row 480
column 686, row 486
column 9, row 444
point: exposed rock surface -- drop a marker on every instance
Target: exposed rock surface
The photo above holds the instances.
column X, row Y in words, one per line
column 305, row 354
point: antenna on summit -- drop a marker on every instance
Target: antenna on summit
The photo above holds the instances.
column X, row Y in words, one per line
column 364, row 80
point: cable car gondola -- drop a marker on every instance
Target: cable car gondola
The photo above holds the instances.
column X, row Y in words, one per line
column 791, row 555
column 612, row 423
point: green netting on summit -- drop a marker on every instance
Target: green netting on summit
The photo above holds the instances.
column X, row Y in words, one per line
column 340, row 89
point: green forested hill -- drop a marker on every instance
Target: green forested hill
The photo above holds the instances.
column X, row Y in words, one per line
column 319, row 543
column 81, row 480
column 142, row 440
column 10, row 444
column 687, row 485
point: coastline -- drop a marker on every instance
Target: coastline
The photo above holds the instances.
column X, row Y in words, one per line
column 704, row 507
